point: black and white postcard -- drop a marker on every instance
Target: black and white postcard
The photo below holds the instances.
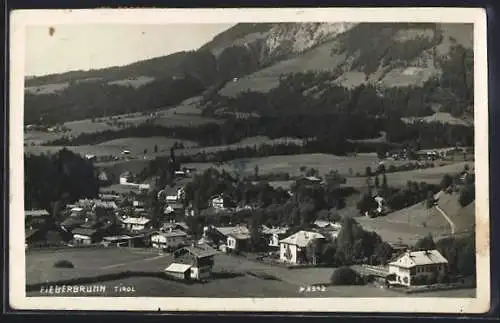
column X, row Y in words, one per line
column 294, row 160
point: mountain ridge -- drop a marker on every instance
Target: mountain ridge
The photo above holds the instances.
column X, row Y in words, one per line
column 253, row 57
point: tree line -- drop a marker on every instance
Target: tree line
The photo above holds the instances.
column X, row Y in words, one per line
column 320, row 132
column 62, row 177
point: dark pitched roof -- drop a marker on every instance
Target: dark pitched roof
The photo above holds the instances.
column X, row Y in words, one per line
column 71, row 222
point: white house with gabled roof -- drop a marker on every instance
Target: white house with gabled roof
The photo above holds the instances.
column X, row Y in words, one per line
column 135, row 224
column 293, row 248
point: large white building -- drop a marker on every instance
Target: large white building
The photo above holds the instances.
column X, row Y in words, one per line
column 412, row 263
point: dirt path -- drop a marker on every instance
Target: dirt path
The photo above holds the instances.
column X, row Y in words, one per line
column 452, row 225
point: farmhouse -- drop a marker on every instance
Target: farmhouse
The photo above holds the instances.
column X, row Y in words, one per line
column 142, row 238
column 85, row 236
column 193, row 262
column 172, row 195
column 236, row 238
column 108, row 205
column 180, row 173
column 138, row 204
column 71, row 222
column 109, row 197
column 103, row 177
column 322, row 224
column 35, row 218
column 309, row 181
column 328, row 228
column 273, row 235
column 172, row 239
column 126, row 178
column 135, row 224
column 182, row 226
column 217, row 202
column 118, row 241
column 77, row 211
column 189, row 211
column 238, row 241
column 293, row 248
column 410, row 264
column 85, row 204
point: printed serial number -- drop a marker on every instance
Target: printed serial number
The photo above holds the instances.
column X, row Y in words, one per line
column 308, row 289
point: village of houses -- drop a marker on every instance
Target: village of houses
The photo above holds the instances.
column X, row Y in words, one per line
column 123, row 222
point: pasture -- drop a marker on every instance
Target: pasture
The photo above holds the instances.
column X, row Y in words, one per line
column 399, row 232
column 429, row 175
column 412, row 223
column 247, row 142
column 464, row 218
column 135, row 82
column 87, row 262
column 317, row 59
column 345, row 165
column 322, row 162
column 136, row 146
column 47, row 88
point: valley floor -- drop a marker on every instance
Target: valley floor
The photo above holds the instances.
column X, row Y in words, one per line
column 233, row 277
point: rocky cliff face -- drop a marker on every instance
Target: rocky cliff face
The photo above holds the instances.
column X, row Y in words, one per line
column 268, row 43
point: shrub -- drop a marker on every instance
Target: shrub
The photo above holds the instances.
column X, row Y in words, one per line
column 345, row 276
column 420, row 279
column 64, row 264
column 442, row 278
column 446, row 181
column 432, row 279
column 467, row 195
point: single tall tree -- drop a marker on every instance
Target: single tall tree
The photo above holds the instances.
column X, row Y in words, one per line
column 384, row 181
column 256, row 171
